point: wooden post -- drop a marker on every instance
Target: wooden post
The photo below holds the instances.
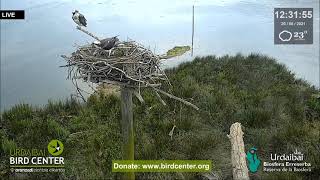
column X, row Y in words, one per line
column 192, row 30
column 127, row 127
column 238, row 156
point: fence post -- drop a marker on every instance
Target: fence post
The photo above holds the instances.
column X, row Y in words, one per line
column 127, row 127
column 238, row 156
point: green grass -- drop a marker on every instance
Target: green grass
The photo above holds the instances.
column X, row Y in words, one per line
column 279, row 113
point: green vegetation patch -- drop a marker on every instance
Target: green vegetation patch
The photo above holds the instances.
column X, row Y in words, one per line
column 279, row 114
column 177, row 51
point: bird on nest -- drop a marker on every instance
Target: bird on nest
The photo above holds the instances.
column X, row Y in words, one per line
column 79, row 19
column 107, row 43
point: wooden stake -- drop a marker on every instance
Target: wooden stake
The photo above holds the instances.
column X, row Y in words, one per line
column 238, row 156
column 127, row 127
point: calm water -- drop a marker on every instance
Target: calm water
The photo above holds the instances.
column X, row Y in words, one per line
column 31, row 49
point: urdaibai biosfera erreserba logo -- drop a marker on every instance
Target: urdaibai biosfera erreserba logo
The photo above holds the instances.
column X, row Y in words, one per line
column 253, row 160
column 55, row 147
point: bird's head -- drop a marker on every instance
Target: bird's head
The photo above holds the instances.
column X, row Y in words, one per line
column 96, row 42
column 75, row 11
column 116, row 38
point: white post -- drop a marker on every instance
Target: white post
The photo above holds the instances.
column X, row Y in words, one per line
column 238, row 156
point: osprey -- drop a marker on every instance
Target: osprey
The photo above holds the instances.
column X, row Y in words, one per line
column 79, row 18
column 107, row 43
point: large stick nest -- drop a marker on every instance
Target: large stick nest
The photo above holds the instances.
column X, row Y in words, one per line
column 128, row 63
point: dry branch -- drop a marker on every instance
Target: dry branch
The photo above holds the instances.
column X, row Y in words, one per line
column 177, row 98
column 87, row 32
column 139, row 97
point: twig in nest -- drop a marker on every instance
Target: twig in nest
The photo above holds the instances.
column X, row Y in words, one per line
column 160, row 99
column 139, row 97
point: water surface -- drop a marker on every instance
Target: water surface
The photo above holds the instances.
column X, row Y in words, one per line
column 30, row 48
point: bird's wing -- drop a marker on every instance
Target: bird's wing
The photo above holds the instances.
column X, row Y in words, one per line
column 82, row 20
column 105, row 42
column 58, row 145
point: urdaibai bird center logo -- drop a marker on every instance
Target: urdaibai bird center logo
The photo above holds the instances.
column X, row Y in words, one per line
column 55, row 147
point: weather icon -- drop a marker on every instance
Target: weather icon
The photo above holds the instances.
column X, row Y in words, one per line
column 285, row 35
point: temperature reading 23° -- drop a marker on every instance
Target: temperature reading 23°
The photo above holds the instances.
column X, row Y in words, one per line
column 300, row 35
